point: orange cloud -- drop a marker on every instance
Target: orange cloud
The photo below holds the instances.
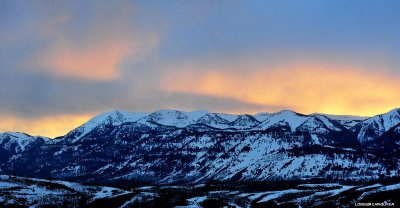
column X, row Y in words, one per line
column 94, row 61
column 51, row 126
column 98, row 63
column 93, row 50
column 306, row 88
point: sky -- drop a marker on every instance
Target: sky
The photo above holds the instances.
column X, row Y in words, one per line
column 63, row 62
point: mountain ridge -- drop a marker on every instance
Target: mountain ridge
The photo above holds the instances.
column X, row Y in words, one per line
column 261, row 117
column 170, row 146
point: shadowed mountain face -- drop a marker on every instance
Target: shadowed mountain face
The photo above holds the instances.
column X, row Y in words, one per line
column 175, row 147
column 12, row 143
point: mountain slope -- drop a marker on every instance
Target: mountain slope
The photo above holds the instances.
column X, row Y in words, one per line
column 113, row 118
column 12, row 143
column 188, row 156
column 172, row 118
column 346, row 121
column 388, row 143
column 322, row 128
column 289, row 118
column 372, row 128
column 170, row 146
column 213, row 120
column 244, row 121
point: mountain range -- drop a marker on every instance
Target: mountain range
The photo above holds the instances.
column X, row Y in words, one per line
column 177, row 147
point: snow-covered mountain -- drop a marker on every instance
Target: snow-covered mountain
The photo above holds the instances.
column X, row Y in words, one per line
column 213, row 120
column 346, row 121
column 12, row 143
column 374, row 127
column 244, row 122
column 182, row 119
column 172, row 118
column 15, row 141
column 261, row 116
column 113, row 118
column 170, row 146
column 388, row 143
column 289, row 118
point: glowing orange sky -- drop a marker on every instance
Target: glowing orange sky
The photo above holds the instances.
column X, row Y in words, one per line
column 302, row 87
column 51, row 126
column 306, row 88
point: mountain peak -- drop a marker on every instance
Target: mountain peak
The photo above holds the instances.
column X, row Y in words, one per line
column 18, row 141
column 114, row 117
column 288, row 112
column 160, row 114
column 213, row 120
column 374, row 127
column 174, row 117
column 259, row 121
column 244, row 121
column 288, row 117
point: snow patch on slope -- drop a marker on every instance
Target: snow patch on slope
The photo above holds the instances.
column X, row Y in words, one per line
column 114, row 118
column 293, row 119
column 8, row 139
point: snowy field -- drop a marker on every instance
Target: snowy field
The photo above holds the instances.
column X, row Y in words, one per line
column 30, row 192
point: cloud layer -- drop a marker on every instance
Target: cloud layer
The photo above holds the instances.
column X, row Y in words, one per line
column 62, row 62
column 304, row 87
column 93, row 49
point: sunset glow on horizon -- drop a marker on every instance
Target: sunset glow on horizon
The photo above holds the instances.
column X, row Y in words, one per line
column 63, row 62
column 49, row 126
column 336, row 90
